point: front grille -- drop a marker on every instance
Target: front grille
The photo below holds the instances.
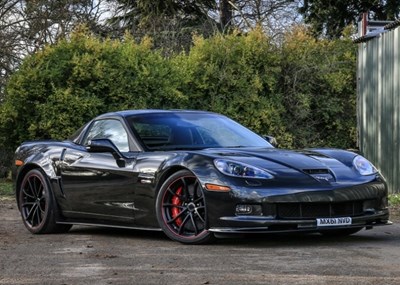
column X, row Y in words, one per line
column 318, row 210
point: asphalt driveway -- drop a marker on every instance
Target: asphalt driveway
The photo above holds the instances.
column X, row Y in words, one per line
column 92, row 255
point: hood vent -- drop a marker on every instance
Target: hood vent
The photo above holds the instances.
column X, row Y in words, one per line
column 316, row 171
column 322, row 175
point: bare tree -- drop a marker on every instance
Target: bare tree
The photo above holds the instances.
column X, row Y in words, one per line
column 274, row 16
column 225, row 14
column 28, row 25
column 49, row 20
column 170, row 24
column 12, row 46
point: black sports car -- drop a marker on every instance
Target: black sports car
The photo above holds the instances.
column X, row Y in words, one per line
column 193, row 175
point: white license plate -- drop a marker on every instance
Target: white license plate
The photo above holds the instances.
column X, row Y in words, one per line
column 331, row 222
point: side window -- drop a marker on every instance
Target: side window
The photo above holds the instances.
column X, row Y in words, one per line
column 153, row 135
column 109, row 129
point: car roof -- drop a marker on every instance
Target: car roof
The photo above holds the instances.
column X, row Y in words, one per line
column 128, row 113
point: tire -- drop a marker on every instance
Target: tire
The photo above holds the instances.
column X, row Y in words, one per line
column 181, row 209
column 37, row 205
column 340, row 232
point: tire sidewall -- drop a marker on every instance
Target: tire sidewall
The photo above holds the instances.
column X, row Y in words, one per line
column 203, row 237
column 48, row 214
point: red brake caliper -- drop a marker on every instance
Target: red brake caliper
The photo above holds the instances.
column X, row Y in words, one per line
column 175, row 210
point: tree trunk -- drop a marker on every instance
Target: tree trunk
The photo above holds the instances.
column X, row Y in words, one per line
column 225, row 14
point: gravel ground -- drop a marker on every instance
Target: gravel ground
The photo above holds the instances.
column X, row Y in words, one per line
column 92, row 255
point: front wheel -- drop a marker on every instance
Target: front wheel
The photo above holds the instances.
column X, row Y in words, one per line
column 37, row 205
column 181, row 209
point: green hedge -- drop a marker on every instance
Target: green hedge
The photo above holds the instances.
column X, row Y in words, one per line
column 319, row 90
column 301, row 91
column 237, row 75
column 60, row 88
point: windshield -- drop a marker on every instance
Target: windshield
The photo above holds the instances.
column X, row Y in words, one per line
column 163, row 131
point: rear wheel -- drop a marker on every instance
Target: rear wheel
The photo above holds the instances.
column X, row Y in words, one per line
column 37, row 205
column 340, row 232
column 181, row 209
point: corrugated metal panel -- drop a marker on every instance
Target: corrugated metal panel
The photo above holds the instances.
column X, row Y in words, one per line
column 379, row 104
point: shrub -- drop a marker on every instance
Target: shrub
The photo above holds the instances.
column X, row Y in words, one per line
column 319, row 90
column 62, row 87
column 236, row 75
column 302, row 92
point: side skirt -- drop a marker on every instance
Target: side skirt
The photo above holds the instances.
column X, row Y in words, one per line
column 108, row 226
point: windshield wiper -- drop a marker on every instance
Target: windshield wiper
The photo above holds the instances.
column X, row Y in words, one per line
column 236, row 146
column 179, row 147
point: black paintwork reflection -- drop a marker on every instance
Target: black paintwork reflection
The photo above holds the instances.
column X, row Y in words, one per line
column 96, row 186
column 93, row 187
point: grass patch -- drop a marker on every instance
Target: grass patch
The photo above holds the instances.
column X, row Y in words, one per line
column 6, row 188
column 394, row 200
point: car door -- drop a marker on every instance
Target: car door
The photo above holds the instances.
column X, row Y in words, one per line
column 95, row 185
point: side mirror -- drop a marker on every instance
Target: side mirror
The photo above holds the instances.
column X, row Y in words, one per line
column 106, row 145
column 272, row 140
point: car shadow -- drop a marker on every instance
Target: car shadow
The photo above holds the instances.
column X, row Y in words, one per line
column 117, row 232
column 302, row 240
column 244, row 240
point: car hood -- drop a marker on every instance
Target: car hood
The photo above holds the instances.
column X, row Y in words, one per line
column 318, row 164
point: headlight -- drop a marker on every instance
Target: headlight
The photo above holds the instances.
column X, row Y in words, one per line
column 363, row 166
column 239, row 169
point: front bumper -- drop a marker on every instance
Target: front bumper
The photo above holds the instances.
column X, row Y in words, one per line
column 259, row 224
column 297, row 210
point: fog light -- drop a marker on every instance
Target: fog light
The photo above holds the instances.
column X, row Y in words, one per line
column 242, row 209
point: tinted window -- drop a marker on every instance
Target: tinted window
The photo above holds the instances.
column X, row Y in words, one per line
column 109, row 129
column 192, row 130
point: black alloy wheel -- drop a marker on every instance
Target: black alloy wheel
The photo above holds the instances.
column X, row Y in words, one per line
column 181, row 209
column 37, row 205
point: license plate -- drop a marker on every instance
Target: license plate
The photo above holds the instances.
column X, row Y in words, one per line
column 331, row 222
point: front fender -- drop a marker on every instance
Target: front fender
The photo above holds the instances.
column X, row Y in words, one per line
column 37, row 157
